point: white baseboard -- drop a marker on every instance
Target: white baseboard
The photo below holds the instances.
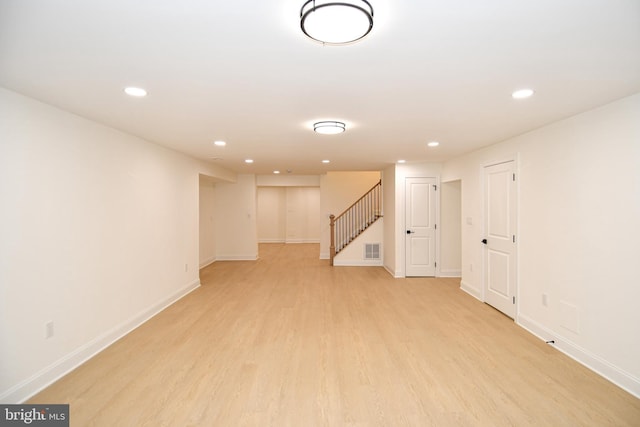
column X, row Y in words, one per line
column 325, row 255
column 289, row 241
column 393, row 273
column 600, row 366
column 450, row 273
column 47, row 376
column 357, row 263
column 237, row 258
column 474, row 292
column 207, row 262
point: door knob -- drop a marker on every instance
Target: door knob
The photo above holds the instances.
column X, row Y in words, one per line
column 410, row 232
column 484, row 241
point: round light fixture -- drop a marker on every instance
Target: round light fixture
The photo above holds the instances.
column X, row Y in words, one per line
column 276, row 172
column 219, row 143
column 329, row 127
column 433, row 144
column 336, row 23
column 402, row 161
column 248, row 161
column 135, row 91
column 522, row 93
column 326, row 161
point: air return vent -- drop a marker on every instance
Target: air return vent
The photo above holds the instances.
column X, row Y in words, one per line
column 372, row 251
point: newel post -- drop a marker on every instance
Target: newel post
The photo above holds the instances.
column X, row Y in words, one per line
column 332, row 246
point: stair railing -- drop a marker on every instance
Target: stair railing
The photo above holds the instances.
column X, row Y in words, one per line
column 354, row 220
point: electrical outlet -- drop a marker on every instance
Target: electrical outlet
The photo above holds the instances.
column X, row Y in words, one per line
column 470, row 267
column 186, row 268
column 544, row 300
column 48, row 330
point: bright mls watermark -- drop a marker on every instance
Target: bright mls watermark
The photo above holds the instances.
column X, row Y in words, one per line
column 34, row 415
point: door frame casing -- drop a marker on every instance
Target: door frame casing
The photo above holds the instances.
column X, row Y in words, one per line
column 515, row 158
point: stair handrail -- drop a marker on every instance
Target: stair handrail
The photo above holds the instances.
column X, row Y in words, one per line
column 357, row 201
column 349, row 234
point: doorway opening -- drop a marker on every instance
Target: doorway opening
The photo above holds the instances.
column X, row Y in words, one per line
column 451, row 229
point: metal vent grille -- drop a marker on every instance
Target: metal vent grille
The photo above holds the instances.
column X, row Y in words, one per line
column 372, row 251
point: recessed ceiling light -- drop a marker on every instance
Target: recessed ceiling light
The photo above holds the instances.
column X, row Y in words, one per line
column 248, row 161
column 135, row 91
column 219, row 143
column 522, row 93
column 326, row 161
column 329, row 127
column 276, row 172
column 433, row 144
column 402, row 161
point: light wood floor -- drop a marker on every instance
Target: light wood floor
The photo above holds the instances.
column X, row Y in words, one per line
column 290, row 341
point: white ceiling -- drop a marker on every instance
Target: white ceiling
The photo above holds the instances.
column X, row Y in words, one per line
column 242, row 71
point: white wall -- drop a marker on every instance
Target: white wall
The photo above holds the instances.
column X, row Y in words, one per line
column 272, row 214
column 579, row 228
column 236, row 223
column 354, row 253
column 282, row 180
column 302, row 216
column 338, row 191
column 450, row 229
column 207, row 221
column 99, row 231
column 289, row 214
column 389, row 226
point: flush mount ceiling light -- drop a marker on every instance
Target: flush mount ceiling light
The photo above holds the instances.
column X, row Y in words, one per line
column 135, row 91
column 219, row 143
column 433, row 144
column 336, row 23
column 329, row 127
column 522, row 93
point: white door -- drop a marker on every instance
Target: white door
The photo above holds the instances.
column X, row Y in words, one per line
column 500, row 237
column 420, row 212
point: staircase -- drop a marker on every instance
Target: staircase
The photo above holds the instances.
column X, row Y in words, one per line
column 357, row 218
